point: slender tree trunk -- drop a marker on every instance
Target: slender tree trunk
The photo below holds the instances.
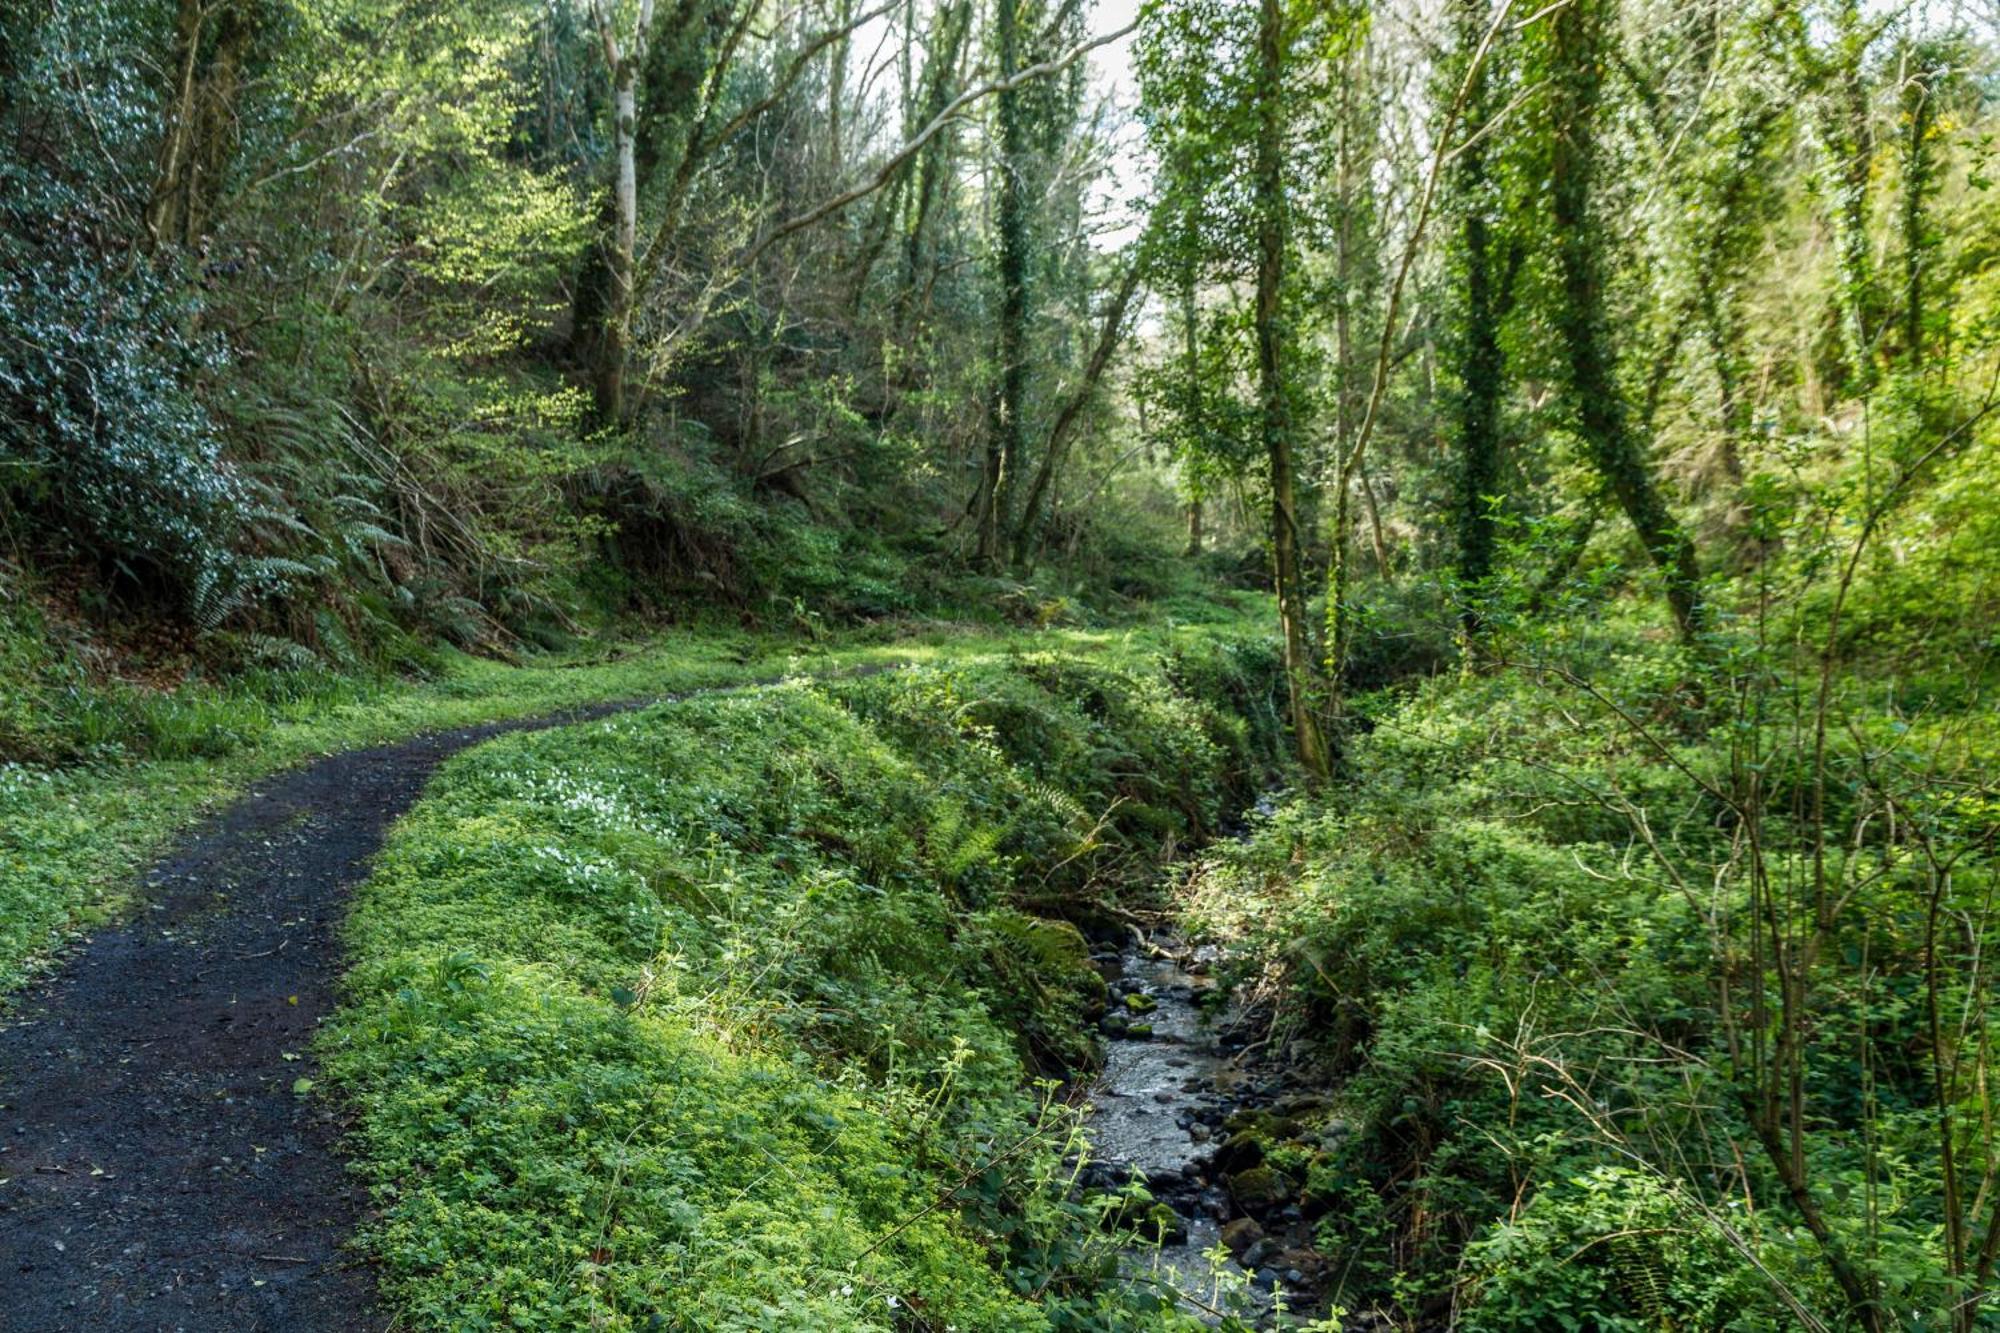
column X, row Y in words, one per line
column 1481, row 363
column 1269, row 187
column 1578, row 32
column 609, row 381
column 940, row 77
column 1072, row 411
column 212, row 46
column 163, row 211
column 1919, row 170
column 836, row 95
column 1340, row 543
column 1194, row 424
column 608, row 375
column 1006, row 429
column 1847, row 153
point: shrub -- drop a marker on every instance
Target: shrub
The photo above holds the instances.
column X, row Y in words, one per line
column 1610, row 1249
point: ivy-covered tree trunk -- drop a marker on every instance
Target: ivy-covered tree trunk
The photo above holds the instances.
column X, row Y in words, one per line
column 1268, row 185
column 1005, row 429
column 1578, row 35
column 212, row 47
column 1476, row 347
column 1837, row 88
column 1056, row 450
column 1923, row 76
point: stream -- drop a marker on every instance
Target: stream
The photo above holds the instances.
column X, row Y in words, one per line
column 1159, row 1109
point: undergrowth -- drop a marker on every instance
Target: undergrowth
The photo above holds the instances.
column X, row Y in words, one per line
column 74, row 834
column 728, row 1014
column 1519, row 938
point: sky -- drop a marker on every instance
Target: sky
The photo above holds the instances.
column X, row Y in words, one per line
column 1111, row 69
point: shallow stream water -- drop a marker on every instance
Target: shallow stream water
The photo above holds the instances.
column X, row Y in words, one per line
column 1164, row 1090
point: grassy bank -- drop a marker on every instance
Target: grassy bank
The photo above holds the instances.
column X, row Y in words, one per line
column 73, row 836
column 724, row 1014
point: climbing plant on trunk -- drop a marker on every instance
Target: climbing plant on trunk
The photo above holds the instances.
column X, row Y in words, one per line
column 1578, row 47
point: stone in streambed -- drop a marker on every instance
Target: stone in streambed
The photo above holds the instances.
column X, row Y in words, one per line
column 1240, row 1151
column 1241, row 1234
column 1259, row 1189
column 1152, row 1221
column 1161, row 1224
column 1302, row 1265
column 1258, row 1252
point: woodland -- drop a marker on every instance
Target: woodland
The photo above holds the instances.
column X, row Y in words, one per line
column 1436, row 562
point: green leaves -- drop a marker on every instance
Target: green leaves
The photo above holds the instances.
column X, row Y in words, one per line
column 747, row 1111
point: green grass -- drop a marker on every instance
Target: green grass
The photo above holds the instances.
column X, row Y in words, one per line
column 73, row 836
column 722, row 1015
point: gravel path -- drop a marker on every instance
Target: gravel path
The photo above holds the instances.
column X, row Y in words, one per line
column 160, row 1172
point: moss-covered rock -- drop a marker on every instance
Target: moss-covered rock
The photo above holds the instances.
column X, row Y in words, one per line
column 1044, row 981
column 1260, row 1188
column 1240, row 1151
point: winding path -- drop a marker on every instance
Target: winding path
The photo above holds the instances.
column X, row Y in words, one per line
column 160, row 1172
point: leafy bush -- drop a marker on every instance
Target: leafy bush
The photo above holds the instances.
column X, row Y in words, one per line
column 1609, row 1249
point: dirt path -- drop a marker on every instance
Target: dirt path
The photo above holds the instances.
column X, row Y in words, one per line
column 161, row 1174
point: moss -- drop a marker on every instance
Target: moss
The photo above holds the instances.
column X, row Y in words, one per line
column 1259, row 1187
column 1042, row 983
column 1240, row 1151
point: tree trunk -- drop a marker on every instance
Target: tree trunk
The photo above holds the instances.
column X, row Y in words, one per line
column 836, row 95
column 1193, row 426
column 212, row 44
column 608, row 375
column 1847, row 151
column 1006, row 429
column 1481, row 362
column 940, row 77
column 609, row 381
column 1577, row 31
column 1072, row 412
column 1269, row 188
column 1919, row 173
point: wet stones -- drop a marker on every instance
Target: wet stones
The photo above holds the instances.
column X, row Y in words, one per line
column 1226, row 1147
column 1239, row 1152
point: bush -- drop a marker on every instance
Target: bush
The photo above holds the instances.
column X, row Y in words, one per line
column 1611, row 1249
